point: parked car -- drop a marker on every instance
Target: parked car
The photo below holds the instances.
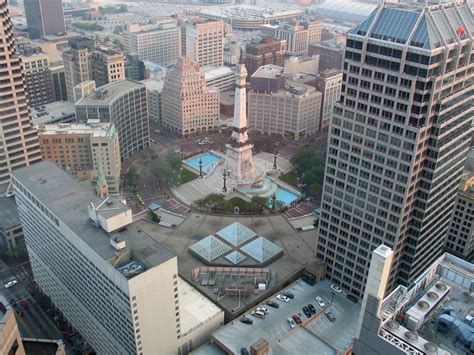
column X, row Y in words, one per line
column 336, row 288
column 297, row 319
column 11, row 283
column 272, row 304
column 330, row 316
column 352, row 298
column 258, row 314
column 263, row 309
column 311, row 308
column 282, row 298
column 320, row 302
column 244, row 351
column 291, row 323
column 24, row 304
column 246, row 320
column 306, row 311
column 288, row 294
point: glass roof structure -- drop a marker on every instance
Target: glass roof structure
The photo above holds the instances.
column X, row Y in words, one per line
column 236, row 234
column 426, row 28
column 210, row 248
column 344, row 11
column 235, row 257
column 261, row 249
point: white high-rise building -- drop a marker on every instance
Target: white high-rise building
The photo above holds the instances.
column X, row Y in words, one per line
column 204, row 42
column 398, row 141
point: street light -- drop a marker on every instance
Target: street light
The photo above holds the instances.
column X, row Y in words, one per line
column 225, row 174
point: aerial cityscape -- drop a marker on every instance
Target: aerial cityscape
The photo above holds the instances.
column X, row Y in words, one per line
column 219, row 177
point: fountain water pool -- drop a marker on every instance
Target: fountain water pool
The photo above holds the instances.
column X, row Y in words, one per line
column 209, row 162
column 268, row 188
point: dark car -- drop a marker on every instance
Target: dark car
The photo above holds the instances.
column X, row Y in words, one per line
column 306, row 311
column 297, row 319
column 311, row 308
column 244, row 351
column 272, row 304
column 352, row 298
column 289, row 295
column 330, row 316
column 24, row 304
column 246, row 320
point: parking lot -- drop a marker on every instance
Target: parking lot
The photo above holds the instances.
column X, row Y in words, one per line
column 316, row 332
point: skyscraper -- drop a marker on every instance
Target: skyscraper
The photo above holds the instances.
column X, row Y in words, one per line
column 398, row 141
column 44, row 17
column 204, row 42
column 18, row 139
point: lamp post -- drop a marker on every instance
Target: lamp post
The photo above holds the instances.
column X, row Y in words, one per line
column 224, row 176
column 200, row 168
column 274, row 201
column 275, row 160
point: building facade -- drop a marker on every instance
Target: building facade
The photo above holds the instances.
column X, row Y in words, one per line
column 87, row 151
column 460, row 239
column 160, row 44
column 331, row 55
column 107, row 66
column 123, row 103
column 221, row 78
column 279, row 106
column 397, row 142
column 298, row 35
column 266, row 51
column 204, row 42
column 9, row 333
column 44, row 17
column 83, row 89
column 38, row 78
column 329, row 84
column 12, row 242
column 188, row 106
column 18, row 139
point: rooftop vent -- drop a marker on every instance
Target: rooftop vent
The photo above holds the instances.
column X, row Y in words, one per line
column 117, row 243
column 432, row 295
column 412, row 336
column 392, row 325
column 423, row 305
column 430, row 348
column 441, row 286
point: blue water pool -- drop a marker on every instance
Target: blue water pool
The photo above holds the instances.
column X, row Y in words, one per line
column 209, row 162
column 286, row 196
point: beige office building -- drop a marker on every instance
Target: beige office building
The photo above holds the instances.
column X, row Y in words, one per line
column 18, row 139
column 329, row 83
column 87, row 151
column 188, row 105
column 10, row 339
column 160, row 43
column 38, row 78
column 107, row 66
column 203, row 42
column 280, row 106
column 298, row 35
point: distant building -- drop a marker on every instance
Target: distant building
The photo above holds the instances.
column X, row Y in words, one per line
column 280, row 106
column 134, row 67
column 44, row 17
column 266, row 51
column 124, row 103
column 59, row 81
column 231, row 52
column 460, row 239
column 204, row 42
column 331, row 54
column 329, row 83
column 302, row 64
column 12, row 242
column 87, row 151
column 9, row 333
column 154, row 89
column 221, row 78
column 188, row 106
column 298, row 35
column 107, row 66
column 160, row 44
column 38, row 78
column 83, row 89
column 114, row 283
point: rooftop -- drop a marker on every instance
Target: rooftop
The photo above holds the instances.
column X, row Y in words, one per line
column 68, row 200
column 211, row 73
column 61, row 37
column 8, row 213
column 246, row 12
column 268, row 71
column 154, row 85
column 96, row 129
column 59, row 111
column 316, row 333
column 106, row 94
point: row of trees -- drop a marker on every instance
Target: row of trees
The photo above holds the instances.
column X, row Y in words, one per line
column 87, row 26
column 218, row 203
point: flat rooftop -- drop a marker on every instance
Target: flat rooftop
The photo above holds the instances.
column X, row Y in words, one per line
column 96, row 129
column 9, row 217
column 246, row 12
column 154, row 85
column 269, row 71
column 211, row 72
column 54, row 112
column 195, row 309
column 317, row 332
column 68, row 200
column 106, row 94
column 298, row 248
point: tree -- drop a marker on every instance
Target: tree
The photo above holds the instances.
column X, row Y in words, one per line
column 132, row 177
column 173, row 160
column 310, row 169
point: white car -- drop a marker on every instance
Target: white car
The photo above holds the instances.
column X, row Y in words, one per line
column 282, row 298
column 336, row 289
column 263, row 309
column 320, row 302
column 291, row 323
column 11, row 283
column 258, row 314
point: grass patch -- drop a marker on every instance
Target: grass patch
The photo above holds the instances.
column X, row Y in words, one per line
column 185, row 176
column 217, row 203
column 290, row 178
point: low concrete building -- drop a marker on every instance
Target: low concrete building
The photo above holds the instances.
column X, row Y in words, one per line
column 55, row 112
column 280, row 106
column 12, row 241
column 221, row 78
